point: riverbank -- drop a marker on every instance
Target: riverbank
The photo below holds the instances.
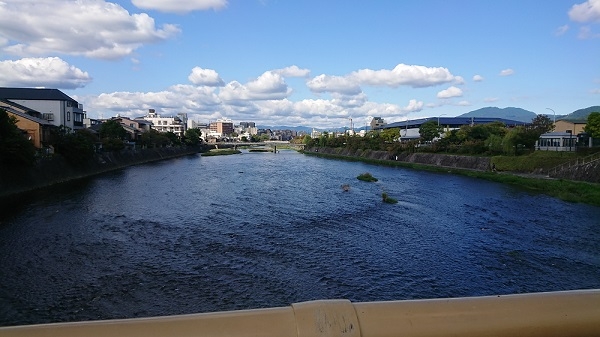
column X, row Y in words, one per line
column 477, row 167
column 55, row 170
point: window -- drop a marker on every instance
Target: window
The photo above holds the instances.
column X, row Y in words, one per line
column 68, row 115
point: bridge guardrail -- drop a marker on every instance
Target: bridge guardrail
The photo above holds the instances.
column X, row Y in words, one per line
column 568, row 313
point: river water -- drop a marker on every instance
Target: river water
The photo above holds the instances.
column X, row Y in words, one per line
column 200, row 234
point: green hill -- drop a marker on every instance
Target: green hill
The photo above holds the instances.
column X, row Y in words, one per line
column 581, row 114
column 516, row 114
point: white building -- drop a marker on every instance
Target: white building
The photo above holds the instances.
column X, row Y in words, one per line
column 55, row 106
column 176, row 124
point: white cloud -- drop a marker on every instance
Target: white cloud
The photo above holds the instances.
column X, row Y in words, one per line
column 180, row 6
column 459, row 80
column 490, row 99
column 464, row 103
column 91, row 28
column 450, row 92
column 337, row 84
column 561, row 30
column 403, row 74
column 178, row 98
column 349, row 101
column 268, row 86
column 413, row 106
column 293, row 71
column 507, row 72
column 50, row 72
column 595, row 91
column 585, row 33
column 205, row 77
column 588, row 11
column 478, row 78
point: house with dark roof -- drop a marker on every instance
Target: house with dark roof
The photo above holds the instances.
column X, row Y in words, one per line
column 56, row 107
column 30, row 121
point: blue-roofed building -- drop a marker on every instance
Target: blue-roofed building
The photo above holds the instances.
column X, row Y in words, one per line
column 409, row 129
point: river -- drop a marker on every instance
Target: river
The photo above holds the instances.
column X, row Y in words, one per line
column 201, row 234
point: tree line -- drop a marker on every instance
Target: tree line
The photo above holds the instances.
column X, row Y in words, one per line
column 482, row 139
column 79, row 146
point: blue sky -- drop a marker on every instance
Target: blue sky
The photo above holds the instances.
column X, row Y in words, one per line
column 315, row 63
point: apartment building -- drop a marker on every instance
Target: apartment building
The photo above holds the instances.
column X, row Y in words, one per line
column 223, row 126
column 176, row 124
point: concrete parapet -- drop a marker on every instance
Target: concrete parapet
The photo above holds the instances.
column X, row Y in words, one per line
column 569, row 313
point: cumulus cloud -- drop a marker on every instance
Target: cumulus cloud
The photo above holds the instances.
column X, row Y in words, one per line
column 507, row 72
column 588, row 11
column 413, row 106
column 268, row 86
column 349, row 101
column 91, row 28
column 409, row 75
column 180, row 6
column 337, row 84
column 51, row 72
column 478, row 78
column 450, row 92
column 178, row 98
column 464, row 103
column 490, row 99
column 205, row 77
column 292, row 71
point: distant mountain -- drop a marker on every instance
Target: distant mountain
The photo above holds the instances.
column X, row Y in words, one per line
column 516, row 114
column 581, row 114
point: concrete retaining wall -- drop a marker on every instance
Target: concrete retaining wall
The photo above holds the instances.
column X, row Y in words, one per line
column 435, row 159
column 55, row 170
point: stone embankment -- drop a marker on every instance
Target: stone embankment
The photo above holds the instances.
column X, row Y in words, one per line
column 50, row 171
column 435, row 159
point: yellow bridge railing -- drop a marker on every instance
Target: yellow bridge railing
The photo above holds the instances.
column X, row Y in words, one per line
column 568, row 313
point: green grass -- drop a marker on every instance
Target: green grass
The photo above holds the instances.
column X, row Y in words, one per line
column 538, row 160
column 221, row 152
column 366, row 177
column 387, row 199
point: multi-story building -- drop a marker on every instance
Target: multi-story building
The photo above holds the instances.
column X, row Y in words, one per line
column 176, row 124
column 55, row 106
column 223, row 126
column 30, row 122
column 377, row 123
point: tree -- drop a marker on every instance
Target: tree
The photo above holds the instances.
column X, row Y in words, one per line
column 593, row 125
column 430, row 130
column 192, row 136
column 15, row 149
column 153, row 138
column 76, row 147
column 542, row 124
column 390, row 135
column 112, row 129
column 172, row 138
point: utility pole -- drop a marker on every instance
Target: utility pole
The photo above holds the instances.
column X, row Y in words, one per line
column 554, row 114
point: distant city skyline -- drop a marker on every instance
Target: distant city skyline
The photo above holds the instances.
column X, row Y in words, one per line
column 305, row 63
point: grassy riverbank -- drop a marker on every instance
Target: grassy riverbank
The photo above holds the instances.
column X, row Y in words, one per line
column 220, row 152
column 567, row 190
